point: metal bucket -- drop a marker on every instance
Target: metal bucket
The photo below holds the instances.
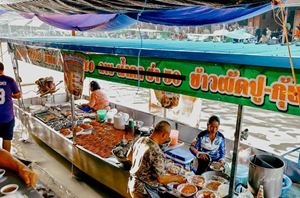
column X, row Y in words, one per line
column 266, row 170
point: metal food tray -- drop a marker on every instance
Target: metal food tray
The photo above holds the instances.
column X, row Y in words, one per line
column 104, row 170
column 41, row 116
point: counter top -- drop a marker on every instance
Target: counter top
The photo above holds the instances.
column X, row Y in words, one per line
column 11, row 177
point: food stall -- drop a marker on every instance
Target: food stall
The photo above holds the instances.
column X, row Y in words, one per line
column 244, row 74
column 263, row 88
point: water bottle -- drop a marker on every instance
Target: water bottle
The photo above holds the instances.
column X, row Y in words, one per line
column 131, row 126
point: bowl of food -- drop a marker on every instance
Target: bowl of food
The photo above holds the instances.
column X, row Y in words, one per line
column 95, row 123
column 86, row 126
column 206, row 194
column 213, row 185
column 197, row 180
column 187, row 189
column 175, row 168
column 9, row 189
column 78, row 129
column 2, row 172
column 216, row 175
column 120, row 152
column 217, row 166
column 66, row 132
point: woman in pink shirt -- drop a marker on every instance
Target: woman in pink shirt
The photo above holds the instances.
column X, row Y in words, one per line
column 98, row 99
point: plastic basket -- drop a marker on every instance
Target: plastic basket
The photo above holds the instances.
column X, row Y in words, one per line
column 286, row 185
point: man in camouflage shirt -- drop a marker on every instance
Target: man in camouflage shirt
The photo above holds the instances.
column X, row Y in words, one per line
column 148, row 162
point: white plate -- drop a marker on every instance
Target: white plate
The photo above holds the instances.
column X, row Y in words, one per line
column 15, row 186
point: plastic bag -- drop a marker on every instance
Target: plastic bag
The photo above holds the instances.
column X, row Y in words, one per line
column 243, row 192
column 167, row 99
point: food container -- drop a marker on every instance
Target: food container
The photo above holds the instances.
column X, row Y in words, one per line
column 286, row 185
column 175, row 168
column 216, row 166
column 86, row 126
column 217, row 176
column 101, row 114
column 241, row 176
column 206, row 194
column 111, row 113
column 9, row 189
column 126, row 163
column 197, row 180
column 66, row 132
column 174, row 137
column 181, row 156
column 120, row 152
column 213, row 185
column 78, row 129
column 94, row 123
column 187, row 190
column 120, row 120
column 266, row 170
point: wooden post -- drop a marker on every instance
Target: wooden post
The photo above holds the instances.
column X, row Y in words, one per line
column 73, row 33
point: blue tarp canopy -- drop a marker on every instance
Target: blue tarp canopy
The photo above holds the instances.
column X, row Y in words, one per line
column 235, row 53
column 183, row 16
column 200, row 15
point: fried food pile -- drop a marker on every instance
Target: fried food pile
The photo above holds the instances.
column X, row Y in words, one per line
column 46, row 86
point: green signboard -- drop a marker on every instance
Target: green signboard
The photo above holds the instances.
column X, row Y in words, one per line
column 260, row 87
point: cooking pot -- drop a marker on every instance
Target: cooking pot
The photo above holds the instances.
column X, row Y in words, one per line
column 266, row 170
column 120, row 120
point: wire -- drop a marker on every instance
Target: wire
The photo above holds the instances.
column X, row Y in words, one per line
column 27, row 92
column 141, row 46
column 285, row 32
column 140, row 49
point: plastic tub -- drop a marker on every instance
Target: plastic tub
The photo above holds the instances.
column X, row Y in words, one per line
column 101, row 114
column 242, row 175
column 286, row 185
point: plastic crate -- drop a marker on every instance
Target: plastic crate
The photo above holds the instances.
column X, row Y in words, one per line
column 180, row 155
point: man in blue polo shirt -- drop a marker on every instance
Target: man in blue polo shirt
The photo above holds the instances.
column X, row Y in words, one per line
column 8, row 91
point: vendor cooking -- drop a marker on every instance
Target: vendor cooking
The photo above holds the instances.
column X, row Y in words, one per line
column 148, row 163
column 208, row 146
column 98, row 99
